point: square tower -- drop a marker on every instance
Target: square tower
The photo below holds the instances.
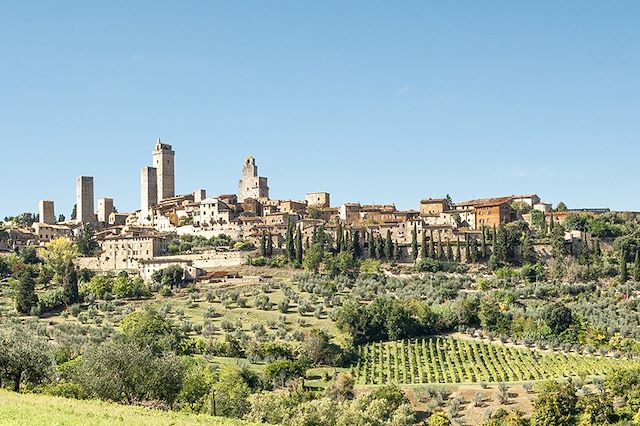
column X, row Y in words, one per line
column 163, row 162
column 84, row 200
column 105, row 208
column 251, row 185
column 47, row 214
column 148, row 192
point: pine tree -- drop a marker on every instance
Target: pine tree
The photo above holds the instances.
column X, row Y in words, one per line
column 70, row 285
column 414, row 242
column 269, row 249
column 624, row 274
column 388, row 247
column 423, row 246
column 298, row 247
column 26, row 297
column 263, row 244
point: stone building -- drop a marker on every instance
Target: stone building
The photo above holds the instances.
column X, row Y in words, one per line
column 433, row 206
column 105, row 208
column 163, row 162
column 318, row 199
column 47, row 212
column 84, row 200
column 251, row 185
column 123, row 252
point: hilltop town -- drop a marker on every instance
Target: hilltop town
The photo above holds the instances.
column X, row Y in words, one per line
column 141, row 241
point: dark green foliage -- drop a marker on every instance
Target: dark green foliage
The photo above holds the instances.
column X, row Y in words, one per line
column 414, row 242
column 558, row 317
column 148, row 328
column 280, row 372
column 263, row 244
column 25, row 297
column 70, row 285
column 424, row 248
column 87, row 243
column 528, row 252
column 171, row 276
column 624, row 274
column 388, row 247
column 298, row 248
column 269, row 247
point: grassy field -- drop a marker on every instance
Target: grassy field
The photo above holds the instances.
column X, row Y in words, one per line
column 450, row 360
column 26, row 410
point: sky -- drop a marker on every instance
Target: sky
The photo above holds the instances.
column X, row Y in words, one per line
column 372, row 101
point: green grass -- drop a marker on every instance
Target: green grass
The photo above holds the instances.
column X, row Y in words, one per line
column 22, row 410
column 450, row 360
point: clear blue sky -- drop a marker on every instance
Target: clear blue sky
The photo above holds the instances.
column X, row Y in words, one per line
column 371, row 101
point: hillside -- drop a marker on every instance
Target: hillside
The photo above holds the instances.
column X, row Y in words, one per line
column 24, row 410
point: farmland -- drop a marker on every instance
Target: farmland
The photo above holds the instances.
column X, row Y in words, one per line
column 447, row 360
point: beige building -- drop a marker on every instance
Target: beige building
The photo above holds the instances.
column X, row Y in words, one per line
column 318, row 199
column 213, row 211
column 148, row 193
column 105, row 208
column 47, row 232
column 122, row 252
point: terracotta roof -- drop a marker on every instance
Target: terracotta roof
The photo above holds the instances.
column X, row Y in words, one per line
column 433, row 200
column 485, row 202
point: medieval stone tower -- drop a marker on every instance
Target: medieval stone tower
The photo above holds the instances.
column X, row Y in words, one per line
column 84, row 200
column 163, row 162
column 251, row 185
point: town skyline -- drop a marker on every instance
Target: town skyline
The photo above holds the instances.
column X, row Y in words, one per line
column 470, row 100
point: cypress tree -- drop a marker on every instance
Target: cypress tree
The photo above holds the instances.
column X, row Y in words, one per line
column 636, row 267
column 423, row 247
column 371, row 245
column 306, row 243
column 474, row 250
column 263, row 244
column 388, row 247
column 379, row 247
column 449, row 250
column 467, row 249
column 483, row 243
column 501, row 250
column 494, row 240
column 440, row 248
column 414, row 242
column 528, row 252
column 70, row 285
column 430, row 253
column 291, row 254
column 458, row 252
column 624, row 275
column 396, row 252
column 339, row 239
column 551, row 222
column 269, row 249
column 26, row 297
column 356, row 248
column 298, row 247
column 596, row 248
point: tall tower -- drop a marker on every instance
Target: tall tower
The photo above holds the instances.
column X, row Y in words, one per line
column 84, row 200
column 47, row 214
column 105, row 208
column 251, row 185
column 163, row 161
column 148, row 192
